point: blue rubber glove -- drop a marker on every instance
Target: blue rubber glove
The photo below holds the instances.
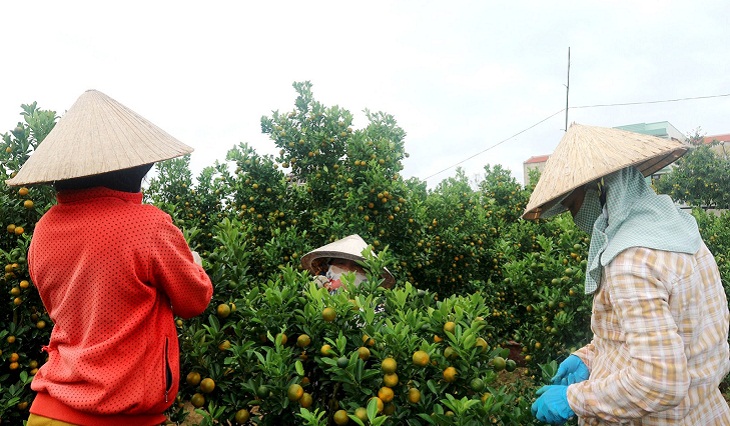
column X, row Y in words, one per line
column 552, row 405
column 570, row 371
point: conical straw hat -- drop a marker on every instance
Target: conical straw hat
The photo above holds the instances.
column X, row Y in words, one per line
column 97, row 135
column 349, row 247
column 586, row 153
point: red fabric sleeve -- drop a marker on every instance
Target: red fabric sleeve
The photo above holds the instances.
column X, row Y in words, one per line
column 173, row 270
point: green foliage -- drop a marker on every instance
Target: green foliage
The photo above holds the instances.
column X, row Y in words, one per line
column 450, row 253
column 24, row 323
column 715, row 229
column 264, row 350
column 194, row 206
column 513, row 289
column 701, row 178
column 542, row 287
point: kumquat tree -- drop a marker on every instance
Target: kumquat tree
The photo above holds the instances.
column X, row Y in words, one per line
column 484, row 307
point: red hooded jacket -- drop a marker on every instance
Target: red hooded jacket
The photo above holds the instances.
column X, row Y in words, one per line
column 111, row 272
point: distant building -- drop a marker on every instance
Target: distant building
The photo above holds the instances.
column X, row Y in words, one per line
column 660, row 129
column 717, row 138
column 722, row 144
column 533, row 163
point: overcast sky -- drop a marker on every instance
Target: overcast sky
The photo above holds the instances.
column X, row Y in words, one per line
column 460, row 77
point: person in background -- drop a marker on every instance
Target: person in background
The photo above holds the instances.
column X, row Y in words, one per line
column 660, row 316
column 111, row 272
column 328, row 263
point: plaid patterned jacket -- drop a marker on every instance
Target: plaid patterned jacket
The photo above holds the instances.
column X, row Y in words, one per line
column 660, row 346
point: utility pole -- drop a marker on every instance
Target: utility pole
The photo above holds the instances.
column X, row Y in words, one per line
column 567, row 92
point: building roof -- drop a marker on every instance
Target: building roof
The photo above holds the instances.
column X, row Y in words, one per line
column 662, row 129
column 537, row 159
column 719, row 138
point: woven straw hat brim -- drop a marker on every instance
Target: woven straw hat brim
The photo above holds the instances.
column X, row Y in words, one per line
column 587, row 153
column 350, row 247
column 97, row 135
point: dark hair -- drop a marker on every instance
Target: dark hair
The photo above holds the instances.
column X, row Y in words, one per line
column 127, row 180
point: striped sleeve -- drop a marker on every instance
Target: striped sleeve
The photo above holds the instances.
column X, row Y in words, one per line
column 586, row 354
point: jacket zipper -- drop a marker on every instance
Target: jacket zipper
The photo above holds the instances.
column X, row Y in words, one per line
column 168, row 371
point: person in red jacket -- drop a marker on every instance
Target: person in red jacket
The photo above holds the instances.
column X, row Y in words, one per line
column 111, row 271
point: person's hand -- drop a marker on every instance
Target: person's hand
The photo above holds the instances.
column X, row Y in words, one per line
column 570, row 371
column 552, row 405
column 196, row 258
column 321, row 281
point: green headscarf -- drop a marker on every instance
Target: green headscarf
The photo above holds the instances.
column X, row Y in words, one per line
column 634, row 216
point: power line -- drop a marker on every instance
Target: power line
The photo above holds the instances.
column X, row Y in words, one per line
column 496, row 144
column 651, row 102
column 576, row 107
